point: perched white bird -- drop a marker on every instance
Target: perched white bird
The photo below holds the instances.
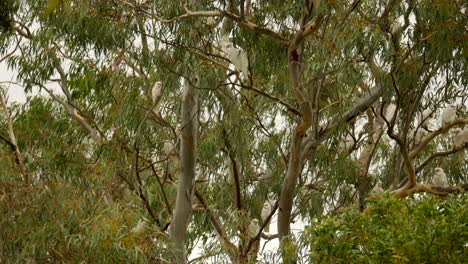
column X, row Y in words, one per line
column 178, row 130
column 169, row 148
column 395, row 26
column 238, row 57
column 421, row 133
column 350, row 193
column 377, row 190
column 390, row 112
column 139, row 228
column 440, row 178
column 170, row 151
column 347, row 143
column 425, row 118
column 448, row 116
column 156, row 96
column 266, row 210
column 253, row 228
column 460, row 138
column 229, row 171
column 365, row 155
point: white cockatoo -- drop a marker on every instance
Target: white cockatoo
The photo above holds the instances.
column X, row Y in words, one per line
column 425, row 118
column 229, row 171
column 390, row 112
column 460, row 138
column 395, row 26
column 253, row 228
column 238, row 57
column 139, row 228
column 178, row 130
column 169, row 148
column 377, row 190
column 156, row 96
column 421, row 133
column 266, row 210
column 347, row 143
column 440, row 178
column 170, row 151
column 350, row 192
column 365, row 155
column 448, row 116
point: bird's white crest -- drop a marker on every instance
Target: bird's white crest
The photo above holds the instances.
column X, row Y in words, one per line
column 440, row 178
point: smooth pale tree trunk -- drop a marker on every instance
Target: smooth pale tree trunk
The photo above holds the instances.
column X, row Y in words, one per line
column 185, row 188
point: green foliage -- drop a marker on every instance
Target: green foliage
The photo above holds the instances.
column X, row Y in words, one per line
column 7, row 10
column 422, row 229
column 63, row 223
column 113, row 52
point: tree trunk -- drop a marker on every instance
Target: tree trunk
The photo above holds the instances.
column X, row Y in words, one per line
column 185, row 188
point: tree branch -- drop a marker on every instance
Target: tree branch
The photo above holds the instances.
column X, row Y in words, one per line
column 431, row 136
column 440, row 154
column 12, row 141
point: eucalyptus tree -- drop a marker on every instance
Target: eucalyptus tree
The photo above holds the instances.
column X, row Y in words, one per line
column 304, row 105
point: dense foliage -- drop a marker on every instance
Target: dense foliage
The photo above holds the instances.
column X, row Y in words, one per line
column 301, row 107
column 422, row 229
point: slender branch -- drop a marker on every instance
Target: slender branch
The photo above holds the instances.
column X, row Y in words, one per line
column 260, row 232
column 437, row 132
column 223, row 13
column 11, row 134
column 217, row 225
column 74, row 113
column 437, row 190
column 440, row 154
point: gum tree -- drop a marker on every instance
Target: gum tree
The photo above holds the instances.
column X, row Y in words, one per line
column 331, row 102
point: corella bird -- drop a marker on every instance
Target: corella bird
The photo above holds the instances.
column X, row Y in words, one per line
column 421, row 133
column 460, row 138
column 425, row 118
column 238, row 57
column 448, row 116
column 377, row 190
column 156, row 96
column 440, row 178
column 170, row 151
column 266, row 210
column 139, row 228
column 346, row 143
column 253, row 228
column 390, row 112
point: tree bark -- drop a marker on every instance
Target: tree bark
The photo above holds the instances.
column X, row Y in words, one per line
column 185, row 188
column 13, row 142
